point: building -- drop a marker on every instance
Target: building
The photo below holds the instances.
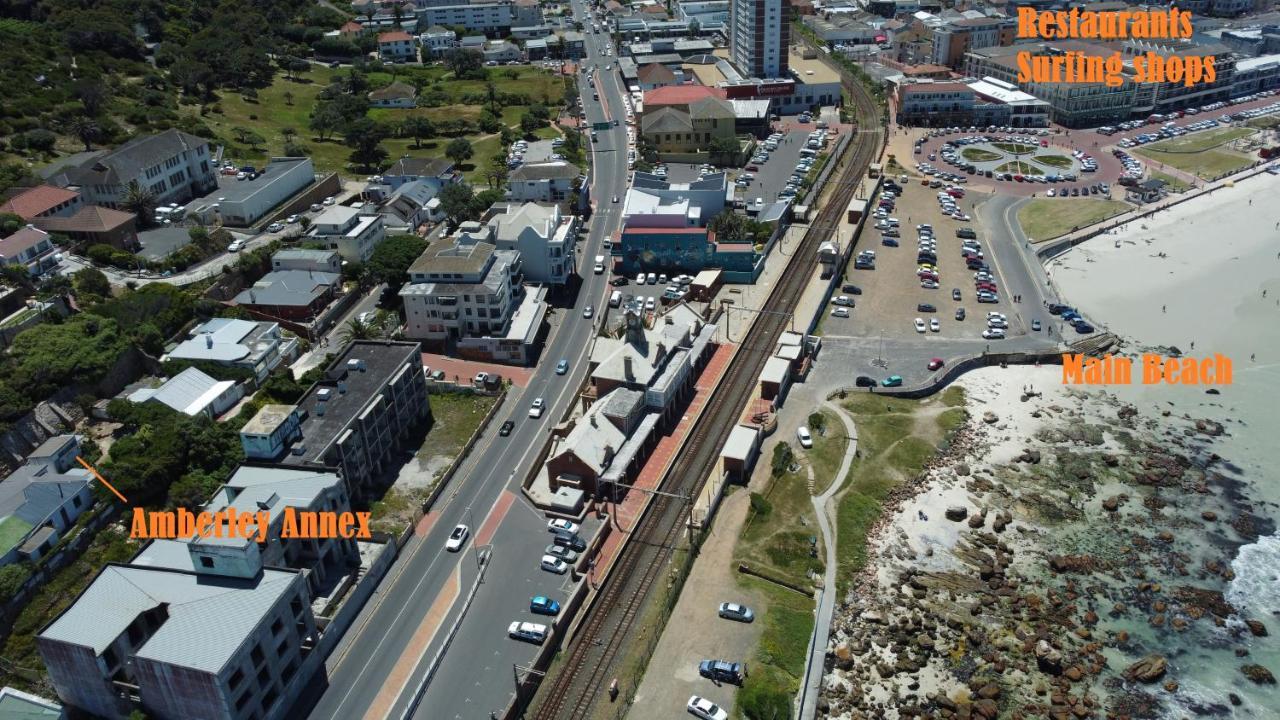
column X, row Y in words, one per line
column 1147, row 191
column 351, row 30
column 130, row 640
column 542, row 182
column 296, row 295
column 654, row 202
column 254, row 346
column 653, row 76
column 397, row 46
column 173, row 165
column 545, row 239
column 93, row 225
column 658, row 361
column 372, row 396
column 42, row 499
column 245, row 202
column 527, row 12
column 953, row 40
column 758, row 37
column 409, row 206
column 193, row 393
column 30, row 248
column 395, row 95
column 615, row 433
column 709, row 15
column 494, row 18
column 437, row 41
column 573, row 45
column 326, row 261
column 501, row 51
column 436, row 172
column 670, row 130
column 17, row 705
column 42, row 201
column 1253, row 75
column 349, row 231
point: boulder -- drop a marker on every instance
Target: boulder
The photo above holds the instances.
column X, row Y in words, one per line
column 957, row 513
column 1111, row 504
column 962, row 469
column 989, row 418
column 1256, row 627
column 1258, row 674
column 1147, row 670
column 1048, row 658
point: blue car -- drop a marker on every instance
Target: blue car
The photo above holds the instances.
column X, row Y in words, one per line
column 1084, row 328
column 893, row 381
column 562, row 367
column 544, row 606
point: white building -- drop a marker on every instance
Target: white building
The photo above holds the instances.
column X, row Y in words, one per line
column 41, row 500
column 437, row 41
column 244, row 202
column 255, row 346
column 397, row 46
column 311, row 260
column 652, row 202
column 175, row 166
column 411, row 205
column 758, row 37
column 545, row 182
column 193, row 393
column 489, row 17
column 544, row 238
column 346, row 230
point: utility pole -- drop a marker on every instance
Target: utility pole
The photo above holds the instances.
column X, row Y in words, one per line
column 515, row 671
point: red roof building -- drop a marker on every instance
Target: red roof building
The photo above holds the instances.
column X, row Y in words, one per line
column 679, row 96
column 42, row 201
column 93, row 225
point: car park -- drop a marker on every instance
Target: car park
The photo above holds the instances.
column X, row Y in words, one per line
column 723, row 671
column 527, row 631
column 736, row 611
column 457, row 538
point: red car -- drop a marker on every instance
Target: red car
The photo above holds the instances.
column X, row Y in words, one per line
column 989, row 287
column 935, row 363
column 753, row 168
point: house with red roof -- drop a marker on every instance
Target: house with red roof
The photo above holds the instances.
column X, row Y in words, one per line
column 42, row 201
column 397, row 46
column 31, row 248
column 95, row 225
column 351, row 29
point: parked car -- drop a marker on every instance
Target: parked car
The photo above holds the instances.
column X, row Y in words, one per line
column 959, row 313
column 926, row 307
column 843, row 300
column 703, row 708
column 566, row 554
column 723, row 671
column 1035, row 325
column 993, row 334
column 840, row 312
column 934, row 325
column 935, row 363
column 865, row 381
column 736, row 611
column 851, row 289
column 562, row 525
column 527, row 631
column 802, row 434
column 892, row 381
column 569, row 540
column 551, row 563
column 920, row 326
column 540, row 605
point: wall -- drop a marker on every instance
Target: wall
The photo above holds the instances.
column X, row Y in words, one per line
column 331, row 184
column 336, row 624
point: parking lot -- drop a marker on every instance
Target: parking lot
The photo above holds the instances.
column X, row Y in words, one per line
column 892, row 292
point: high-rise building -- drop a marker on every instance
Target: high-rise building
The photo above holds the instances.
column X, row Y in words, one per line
column 758, row 37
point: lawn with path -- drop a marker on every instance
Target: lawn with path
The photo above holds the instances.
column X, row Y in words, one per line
column 1044, row 219
column 1062, row 162
column 1015, row 148
column 1019, row 167
column 1201, row 153
column 979, row 155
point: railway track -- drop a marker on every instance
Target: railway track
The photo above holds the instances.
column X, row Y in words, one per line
column 576, row 687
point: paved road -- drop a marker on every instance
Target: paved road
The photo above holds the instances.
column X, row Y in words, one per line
column 381, row 665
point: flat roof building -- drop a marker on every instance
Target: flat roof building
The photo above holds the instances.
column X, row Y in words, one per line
column 245, row 202
column 255, row 346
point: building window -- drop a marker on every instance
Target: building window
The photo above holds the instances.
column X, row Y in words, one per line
column 256, row 655
column 206, row 562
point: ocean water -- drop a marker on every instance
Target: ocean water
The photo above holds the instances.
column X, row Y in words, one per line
column 1215, row 289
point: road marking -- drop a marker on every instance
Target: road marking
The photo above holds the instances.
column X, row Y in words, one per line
column 415, row 650
column 426, row 523
column 497, row 513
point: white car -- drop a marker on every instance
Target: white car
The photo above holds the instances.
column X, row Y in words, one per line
column 551, row 563
column 993, row 334
column 589, row 311
column 994, row 314
column 651, row 278
column 843, row 300
column 530, row 632
column 291, row 220
column 537, row 408
column 236, row 246
column 639, row 278
column 929, row 284
column 840, row 312
column 802, row 434
column 650, row 304
column 701, row 707
column 598, row 269
column 919, row 325
column 275, row 227
column 457, row 538
column 562, row 525
column 934, row 325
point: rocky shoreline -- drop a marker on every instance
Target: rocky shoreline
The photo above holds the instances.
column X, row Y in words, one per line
column 1054, row 562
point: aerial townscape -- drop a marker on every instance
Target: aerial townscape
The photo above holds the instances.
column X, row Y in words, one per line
column 562, row 360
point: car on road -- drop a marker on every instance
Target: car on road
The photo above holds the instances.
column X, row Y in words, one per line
column 701, row 707
column 959, row 313
column 935, row 363
column 561, row 525
column 892, row 381
column 926, row 307
column 457, row 538
column 551, row 563
column 275, row 227
column 920, row 326
column 527, row 631
column 541, row 605
column 865, row 381
column 589, row 311
column 802, row 434
column 291, row 220
column 506, row 428
column 615, row 199
column 562, row 367
column 723, row 671
column 993, row 334
column 736, row 611
column 537, row 408
column 598, row 269
column 1035, row 325
column 840, row 312
column 566, row 554
column 955, row 294
column 236, row 246
column 934, row 325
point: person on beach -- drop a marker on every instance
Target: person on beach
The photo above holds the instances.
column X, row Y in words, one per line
column 1164, row 308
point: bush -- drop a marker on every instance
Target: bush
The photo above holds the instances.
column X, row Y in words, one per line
column 783, row 456
column 762, row 699
column 760, row 505
column 818, row 423
column 12, row 578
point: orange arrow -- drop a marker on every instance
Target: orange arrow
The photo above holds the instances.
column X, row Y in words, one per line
column 104, row 480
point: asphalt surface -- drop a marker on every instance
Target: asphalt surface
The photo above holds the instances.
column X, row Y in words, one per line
column 475, row 674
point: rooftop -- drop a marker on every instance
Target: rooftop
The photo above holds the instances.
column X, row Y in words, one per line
column 679, row 95
column 394, row 91
column 811, row 70
column 558, row 170
column 304, row 254
column 188, row 392
column 242, row 190
column 225, row 340
column 25, row 239
column 289, row 288
column 88, row 219
column 39, row 199
column 338, row 215
column 447, row 256
column 419, row 167
column 395, row 36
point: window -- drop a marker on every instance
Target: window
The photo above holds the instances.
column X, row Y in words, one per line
column 76, row 501
column 277, row 626
column 206, row 562
column 256, row 655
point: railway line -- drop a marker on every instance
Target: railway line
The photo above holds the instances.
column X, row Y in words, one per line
column 574, row 689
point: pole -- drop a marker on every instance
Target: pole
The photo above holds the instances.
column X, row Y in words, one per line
column 475, row 547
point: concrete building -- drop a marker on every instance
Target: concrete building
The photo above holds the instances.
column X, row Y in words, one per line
column 254, row 346
column 616, row 433
column 297, row 295
column 710, row 15
column 185, row 630
column 347, row 230
column 654, row 202
column 758, row 37
column 372, row 396
column 247, row 201
column 30, row 248
column 1255, row 74
column 397, row 46
column 42, row 499
column 501, row 51
column 953, row 40
column 972, row 102
column 545, row 239
column 542, row 182
column 311, row 260
column 437, row 41
column 435, row 172
column 409, row 206
column 487, row 17
column 193, row 393
column 175, row 166
column 42, row 201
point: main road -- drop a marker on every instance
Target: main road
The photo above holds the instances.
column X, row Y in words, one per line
column 400, row 653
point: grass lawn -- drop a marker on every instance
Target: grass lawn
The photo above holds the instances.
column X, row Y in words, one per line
column 896, row 437
column 1019, row 167
column 1207, row 164
column 827, row 452
column 1044, row 219
column 775, row 540
column 1172, row 184
column 1264, row 122
column 1195, row 142
column 1015, row 148
column 780, row 659
column 1059, row 161
column 112, row 544
column 978, row 155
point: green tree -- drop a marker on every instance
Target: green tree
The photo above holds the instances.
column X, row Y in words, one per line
column 12, row 578
column 86, row 129
column 783, row 457
column 464, row 64
column 140, row 201
column 356, row 329
column 489, row 122
column 419, row 127
column 530, row 124
column 365, row 138
column 459, row 150
column 390, row 260
column 724, row 147
column 193, row 490
column 497, row 173
column 90, row 284
column 457, row 202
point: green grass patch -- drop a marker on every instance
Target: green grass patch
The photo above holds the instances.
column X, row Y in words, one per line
column 12, row 530
column 1207, row 164
column 1046, row 218
column 775, row 537
column 1200, row 141
column 1016, row 148
column 454, row 418
column 827, row 452
column 953, row 396
column 774, row 678
column 979, row 155
column 951, row 420
column 1171, row 183
column 1269, row 121
column 1058, row 161
column 1019, row 167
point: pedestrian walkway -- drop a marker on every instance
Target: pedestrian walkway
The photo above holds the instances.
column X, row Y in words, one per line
column 462, row 371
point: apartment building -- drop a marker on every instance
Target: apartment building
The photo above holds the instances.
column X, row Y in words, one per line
column 42, row 201
column 972, row 102
column 487, row 17
column 437, row 41
column 461, row 286
column 953, row 40
column 758, row 37
column 348, row 231
column 30, row 248
column 298, row 259
column 545, row 239
column 353, row 420
column 545, row 182
column 173, row 165
column 397, row 46
column 254, row 346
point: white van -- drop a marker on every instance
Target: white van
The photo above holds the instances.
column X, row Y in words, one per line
column 615, row 299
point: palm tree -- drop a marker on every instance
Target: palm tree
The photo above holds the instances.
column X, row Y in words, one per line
column 492, row 91
column 140, row 201
column 85, row 128
column 355, row 329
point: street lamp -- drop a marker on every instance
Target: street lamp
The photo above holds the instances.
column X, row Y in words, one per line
column 475, row 546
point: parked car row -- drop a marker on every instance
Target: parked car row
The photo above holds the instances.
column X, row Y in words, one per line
column 720, row 671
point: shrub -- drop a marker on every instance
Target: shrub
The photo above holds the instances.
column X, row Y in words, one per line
column 782, row 459
column 760, row 505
